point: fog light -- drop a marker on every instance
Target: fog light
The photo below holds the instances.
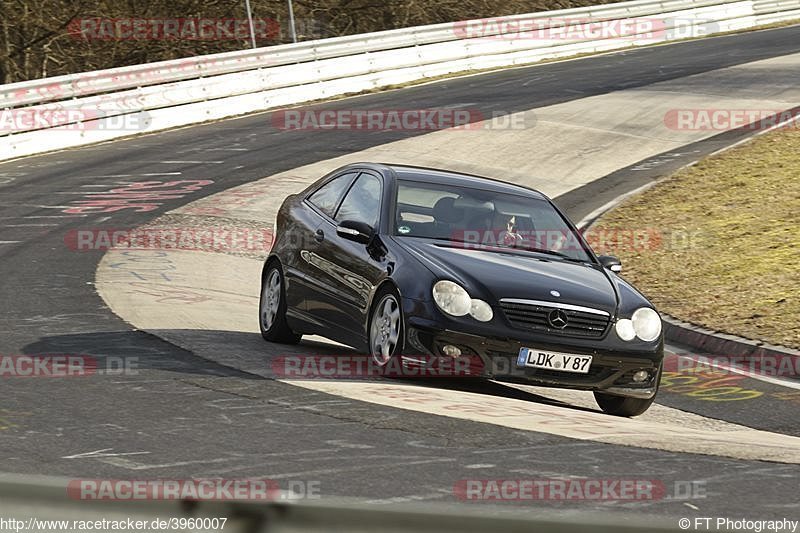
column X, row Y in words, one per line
column 640, row 376
column 451, row 351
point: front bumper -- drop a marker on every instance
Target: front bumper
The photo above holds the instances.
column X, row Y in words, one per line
column 494, row 356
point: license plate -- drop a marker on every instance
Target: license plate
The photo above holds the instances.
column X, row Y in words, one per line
column 564, row 362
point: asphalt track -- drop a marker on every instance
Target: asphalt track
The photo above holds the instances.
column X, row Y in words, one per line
column 185, row 416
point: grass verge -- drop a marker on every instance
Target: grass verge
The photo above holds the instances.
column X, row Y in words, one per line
column 717, row 244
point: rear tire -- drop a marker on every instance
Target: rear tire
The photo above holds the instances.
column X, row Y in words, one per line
column 272, row 308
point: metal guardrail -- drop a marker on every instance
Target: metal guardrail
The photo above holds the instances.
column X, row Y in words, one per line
column 113, row 103
column 84, row 84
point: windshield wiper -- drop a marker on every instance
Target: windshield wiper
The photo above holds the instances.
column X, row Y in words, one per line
column 557, row 254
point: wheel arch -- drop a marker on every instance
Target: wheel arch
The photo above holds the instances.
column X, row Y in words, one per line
column 268, row 262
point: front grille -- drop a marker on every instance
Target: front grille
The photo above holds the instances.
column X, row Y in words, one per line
column 533, row 317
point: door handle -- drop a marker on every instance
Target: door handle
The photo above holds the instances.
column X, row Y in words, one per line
column 319, row 236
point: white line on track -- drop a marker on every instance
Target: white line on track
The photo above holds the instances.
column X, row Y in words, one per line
column 144, row 175
column 26, row 225
column 123, row 462
column 393, row 464
column 101, row 453
column 411, row 498
column 52, row 216
column 42, row 216
column 610, row 205
column 187, row 162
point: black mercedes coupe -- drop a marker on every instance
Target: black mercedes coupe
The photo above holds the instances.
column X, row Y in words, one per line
column 425, row 265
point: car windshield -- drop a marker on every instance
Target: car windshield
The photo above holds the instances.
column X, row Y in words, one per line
column 479, row 218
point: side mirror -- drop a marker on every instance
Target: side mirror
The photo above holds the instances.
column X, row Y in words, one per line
column 610, row 262
column 352, row 230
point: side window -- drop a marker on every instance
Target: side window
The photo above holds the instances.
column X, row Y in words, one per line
column 363, row 201
column 327, row 197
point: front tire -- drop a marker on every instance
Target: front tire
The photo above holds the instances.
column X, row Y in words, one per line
column 625, row 406
column 622, row 406
column 386, row 333
column 272, row 308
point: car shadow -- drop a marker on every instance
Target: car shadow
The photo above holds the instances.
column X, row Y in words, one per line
column 242, row 355
column 127, row 353
column 461, row 384
column 495, row 388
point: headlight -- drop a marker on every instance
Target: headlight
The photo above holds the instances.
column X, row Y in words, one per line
column 451, row 298
column 625, row 329
column 646, row 324
column 480, row 310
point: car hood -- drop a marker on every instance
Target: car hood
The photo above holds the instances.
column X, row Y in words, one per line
column 493, row 275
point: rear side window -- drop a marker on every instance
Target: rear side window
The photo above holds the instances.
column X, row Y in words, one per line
column 363, row 201
column 327, row 197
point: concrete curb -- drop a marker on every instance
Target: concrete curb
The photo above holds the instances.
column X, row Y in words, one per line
column 716, row 342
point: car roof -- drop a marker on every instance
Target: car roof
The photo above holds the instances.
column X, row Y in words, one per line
column 449, row 177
